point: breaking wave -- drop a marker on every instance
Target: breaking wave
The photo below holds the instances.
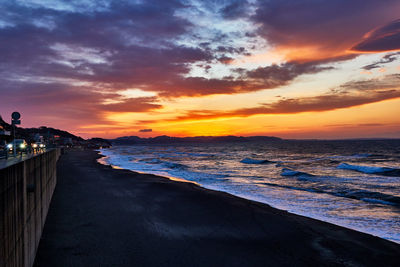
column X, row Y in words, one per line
column 289, row 172
column 363, row 195
column 370, row 169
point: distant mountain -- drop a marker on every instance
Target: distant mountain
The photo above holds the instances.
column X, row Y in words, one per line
column 99, row 141
column 43, row 130
column 131, row 140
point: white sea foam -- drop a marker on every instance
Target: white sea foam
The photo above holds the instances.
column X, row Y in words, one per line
column 364, row 169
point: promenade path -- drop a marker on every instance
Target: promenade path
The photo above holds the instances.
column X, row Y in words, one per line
column 101, row 216
column 6, row 162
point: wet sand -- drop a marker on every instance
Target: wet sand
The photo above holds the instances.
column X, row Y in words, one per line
column 101, row 216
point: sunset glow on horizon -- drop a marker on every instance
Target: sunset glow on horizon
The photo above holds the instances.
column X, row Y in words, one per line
column 292, row 69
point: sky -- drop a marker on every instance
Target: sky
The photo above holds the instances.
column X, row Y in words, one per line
column 288, row 68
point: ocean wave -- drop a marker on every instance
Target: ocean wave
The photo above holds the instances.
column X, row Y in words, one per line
column 167, row 164
column 173, row 165
column 362, row 155
column 151, row 161
column 370, row 169
column 362, row 195
column 255, row 161
column 289, row 172
column 377, row 201
column 370, row 196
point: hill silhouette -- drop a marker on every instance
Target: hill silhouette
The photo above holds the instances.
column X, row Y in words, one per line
column 26, row 133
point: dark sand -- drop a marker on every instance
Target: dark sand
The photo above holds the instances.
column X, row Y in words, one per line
column 100, row 216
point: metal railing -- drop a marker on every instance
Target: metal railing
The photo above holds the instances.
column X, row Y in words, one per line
column 5, row 153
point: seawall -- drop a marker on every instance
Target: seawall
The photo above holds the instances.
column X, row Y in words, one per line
column 26, row 188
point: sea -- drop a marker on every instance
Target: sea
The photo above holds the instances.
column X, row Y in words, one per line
column 351, row 183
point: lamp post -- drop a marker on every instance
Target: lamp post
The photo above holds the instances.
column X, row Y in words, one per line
column 15, row 119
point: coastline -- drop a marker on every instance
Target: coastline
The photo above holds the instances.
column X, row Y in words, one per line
column 116, row 216
column 177, row 179
column 271, row 200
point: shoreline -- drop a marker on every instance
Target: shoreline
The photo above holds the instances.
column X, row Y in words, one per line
column 243, row 196
column 116, row 216
column 177, row 179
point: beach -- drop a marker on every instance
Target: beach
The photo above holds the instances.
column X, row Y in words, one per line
column 100, row 216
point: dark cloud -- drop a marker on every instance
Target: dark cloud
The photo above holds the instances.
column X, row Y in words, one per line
column 225, row 60
column 384, row 60
column 111, row 37
column 388, row 82
column 328, row 27
column 371, row 124
column 244, row 81
column 121, row 46
column 385, row 38
column 145, row 130
column 127, row 45
column 276, row 75
column 235, row 9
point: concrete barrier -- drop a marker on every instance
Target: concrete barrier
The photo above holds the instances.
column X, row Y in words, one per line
column 26, row 188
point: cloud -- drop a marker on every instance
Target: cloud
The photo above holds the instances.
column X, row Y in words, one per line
column 387, row 82
column 261, row 78
column 139, row 104
column 117, row 46
column 70, row 105
column 235, row 9
column 313, row 29
column 385, row 38
column 65, row 60
column 371, row 124
column 126, row 36
column 348, row 95
column 145, row 130
column 384, row 60
column 123, row 45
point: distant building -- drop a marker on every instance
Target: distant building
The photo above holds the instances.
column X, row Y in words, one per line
column 38, row 138
column 3, row 131
column 4, row 136
column 67, row 141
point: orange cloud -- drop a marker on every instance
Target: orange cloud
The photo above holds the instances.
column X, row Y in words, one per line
column 348, row 95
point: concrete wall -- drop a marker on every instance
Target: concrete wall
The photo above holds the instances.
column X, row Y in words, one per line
column 26, row 188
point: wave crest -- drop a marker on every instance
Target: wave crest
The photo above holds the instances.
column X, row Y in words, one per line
column 370, row 169
column 255, row 161
column 289, row 172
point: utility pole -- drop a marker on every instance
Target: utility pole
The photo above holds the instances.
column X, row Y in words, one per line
column 15, row 119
